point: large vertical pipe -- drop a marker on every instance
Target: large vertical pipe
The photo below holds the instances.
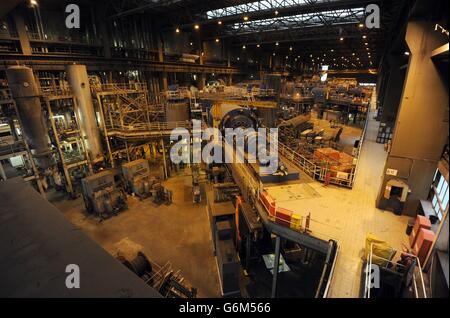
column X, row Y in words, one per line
column 84, row 110
column 27, row 97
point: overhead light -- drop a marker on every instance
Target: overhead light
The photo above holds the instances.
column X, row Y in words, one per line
column 177, row 30
column 219, row 22
column 197, row 27
column 33, row 3
column 361, row 25
column 332, row 50
column 191, row 43
column 290, row 49
column 244, row 47
column 217, row 40
column 287, row 57
column 353, row 54
column 276, row 12
column 277, row 44
column 407, row 53
column 258, row 45
column 273, row 54
column 366, row 43
column 238, row 58
column 364, row 37
column 342, row 39
column 245, row 18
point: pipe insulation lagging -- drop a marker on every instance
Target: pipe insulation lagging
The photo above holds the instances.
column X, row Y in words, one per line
column 84, row 109
column 26, row 94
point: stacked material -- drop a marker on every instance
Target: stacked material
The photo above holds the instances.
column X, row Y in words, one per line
column 336, row 160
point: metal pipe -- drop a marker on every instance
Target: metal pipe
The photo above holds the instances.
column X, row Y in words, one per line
column 26, row 94
column 84, row 110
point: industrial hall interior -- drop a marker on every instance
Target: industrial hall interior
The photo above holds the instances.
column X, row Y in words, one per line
column 242, row 149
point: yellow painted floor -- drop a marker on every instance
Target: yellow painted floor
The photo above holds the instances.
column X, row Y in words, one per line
column 348, row 215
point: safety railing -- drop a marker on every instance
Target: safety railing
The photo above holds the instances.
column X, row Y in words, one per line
column 319, row 171
column 148, row 129
column 181, row 93
column 12, row 149
column 119, row 87
column 407, row 268
column 5, row 96
column 58, row 90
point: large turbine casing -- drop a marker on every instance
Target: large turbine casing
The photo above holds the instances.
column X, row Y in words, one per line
column 84, row 110
column 26, row 94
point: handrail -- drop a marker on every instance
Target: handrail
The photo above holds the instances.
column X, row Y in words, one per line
column 417, row 268
column 317, row 171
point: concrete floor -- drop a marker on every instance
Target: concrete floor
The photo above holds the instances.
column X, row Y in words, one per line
column 348, row 215
column 178, row 233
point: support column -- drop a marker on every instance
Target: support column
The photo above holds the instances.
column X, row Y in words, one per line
column 164, row 158
column 2, row 171
column 421, row 128
column 165, row 83
column 230, row 80
column 22, row 32
column 202, row 81
column 394, row 88
column 103, row 28
column 58, row 145
column 276, row 266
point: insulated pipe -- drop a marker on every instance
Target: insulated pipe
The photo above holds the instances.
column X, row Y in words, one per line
column 26, row 94
column 84, row 110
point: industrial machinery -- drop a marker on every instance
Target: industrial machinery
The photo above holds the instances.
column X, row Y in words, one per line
column 79, row 83
column 168, row 283
column 267, row 237
column 137, row 178
column 27, row 96
column 102, row 197
column 161, row 195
